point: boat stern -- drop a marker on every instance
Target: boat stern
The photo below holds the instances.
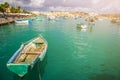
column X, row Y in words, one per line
column 19, row 69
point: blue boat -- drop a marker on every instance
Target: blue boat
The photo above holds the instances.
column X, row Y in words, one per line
column 27, row 55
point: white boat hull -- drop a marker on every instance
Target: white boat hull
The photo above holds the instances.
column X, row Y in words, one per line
column 22, row 21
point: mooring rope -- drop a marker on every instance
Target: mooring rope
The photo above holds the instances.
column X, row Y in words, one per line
column 39, row 70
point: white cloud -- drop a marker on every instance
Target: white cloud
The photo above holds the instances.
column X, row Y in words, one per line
column 60, row 8
column 64, row 0
column 95, row 1
column 69, row 5
column 33, row 3
column 106, row 9
column 111, row 8
column 36, row 3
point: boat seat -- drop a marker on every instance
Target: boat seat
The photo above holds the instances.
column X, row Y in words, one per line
column 21, row 58
column 32, row 53
column 39, row 42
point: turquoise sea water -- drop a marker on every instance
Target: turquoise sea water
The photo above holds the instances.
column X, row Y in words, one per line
column 73, row 54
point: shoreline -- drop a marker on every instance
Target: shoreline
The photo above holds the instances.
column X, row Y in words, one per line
column 4, row 21
column 11, row 17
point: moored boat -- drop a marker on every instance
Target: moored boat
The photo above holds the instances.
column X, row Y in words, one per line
column 27, row 55
column 82, row 26
column 22, row 21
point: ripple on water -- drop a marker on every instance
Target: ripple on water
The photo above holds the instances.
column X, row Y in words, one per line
column 72, row 54
column 104, row 76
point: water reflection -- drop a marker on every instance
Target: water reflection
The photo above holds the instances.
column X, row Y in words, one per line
column 83, row 30
column 104, row 76
column 90, row 29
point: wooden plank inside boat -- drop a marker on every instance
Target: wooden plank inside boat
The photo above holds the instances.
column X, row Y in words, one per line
column 29, row 55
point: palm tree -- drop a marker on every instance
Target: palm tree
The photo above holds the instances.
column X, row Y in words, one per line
column 6, row 4
column 12, row 9
column 15, row 10
column 2, row 9
column 7, row 7
column 18, row 9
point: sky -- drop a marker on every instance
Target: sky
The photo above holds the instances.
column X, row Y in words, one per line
column 93, row 6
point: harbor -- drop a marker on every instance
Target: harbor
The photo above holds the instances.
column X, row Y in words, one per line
column 59, row 40
column 87, row 50
column 11, row 17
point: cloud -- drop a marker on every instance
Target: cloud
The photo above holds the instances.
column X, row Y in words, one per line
column 49, row 3
column 76, row 3
column 64, row 0
column 26, row 3
column 107, row 9
column 111, row 8
column 70, row 5
column 60, row 8
column 36, row 3
column 95, row 1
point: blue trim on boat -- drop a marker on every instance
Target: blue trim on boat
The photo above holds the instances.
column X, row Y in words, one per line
column 16, row 54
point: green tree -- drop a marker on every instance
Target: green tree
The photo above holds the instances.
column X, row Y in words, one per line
column 15, row 10
column 6, row 5
column 2, row 9
column 12, row 9
column 18, row 9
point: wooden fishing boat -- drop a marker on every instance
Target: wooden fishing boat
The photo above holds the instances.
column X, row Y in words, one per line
column 22, row 21
column 27, row 55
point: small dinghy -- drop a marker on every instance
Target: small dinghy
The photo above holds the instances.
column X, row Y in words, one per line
column 27, row 55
